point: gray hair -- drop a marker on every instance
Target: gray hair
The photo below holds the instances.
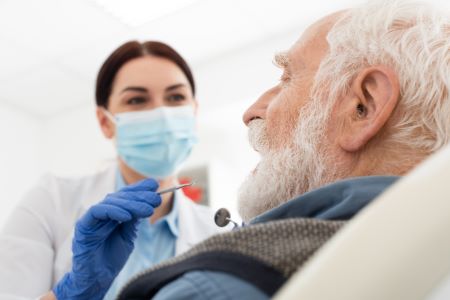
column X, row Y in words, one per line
column 412, row 38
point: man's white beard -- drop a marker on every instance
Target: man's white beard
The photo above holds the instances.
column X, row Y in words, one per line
column 284, row 174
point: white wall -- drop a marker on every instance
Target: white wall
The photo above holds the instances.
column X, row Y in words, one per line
column 73, row 143
column 20, row 156
column 241, row 75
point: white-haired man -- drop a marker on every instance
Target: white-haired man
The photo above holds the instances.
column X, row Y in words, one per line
column 364, row 98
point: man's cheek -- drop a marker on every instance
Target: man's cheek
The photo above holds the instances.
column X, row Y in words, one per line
column 279, row 135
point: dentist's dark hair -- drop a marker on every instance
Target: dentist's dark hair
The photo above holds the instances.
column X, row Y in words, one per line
column 127, row 52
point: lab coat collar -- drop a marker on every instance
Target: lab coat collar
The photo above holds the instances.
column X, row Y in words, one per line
column 191, row 218
column 172, row 217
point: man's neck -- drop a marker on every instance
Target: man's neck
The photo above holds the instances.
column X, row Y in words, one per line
column 130, row 176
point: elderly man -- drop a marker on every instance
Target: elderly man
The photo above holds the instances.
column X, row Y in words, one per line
column 364, row 98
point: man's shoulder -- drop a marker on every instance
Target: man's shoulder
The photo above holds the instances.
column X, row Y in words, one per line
column 200, row 285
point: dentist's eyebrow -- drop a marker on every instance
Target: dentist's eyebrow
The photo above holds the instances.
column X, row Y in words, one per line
column 174, row 87
column 134, row 89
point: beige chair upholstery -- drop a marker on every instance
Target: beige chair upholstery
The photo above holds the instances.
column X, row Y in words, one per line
column 396, row 248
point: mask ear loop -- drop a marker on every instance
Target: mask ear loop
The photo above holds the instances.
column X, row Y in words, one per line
column 109, row 115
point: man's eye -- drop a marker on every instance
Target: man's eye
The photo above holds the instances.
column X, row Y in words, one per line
column 176, row 97
column 136, row 100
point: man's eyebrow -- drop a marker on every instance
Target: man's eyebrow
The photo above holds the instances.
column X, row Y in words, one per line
column 135, row 89
column 281, row 60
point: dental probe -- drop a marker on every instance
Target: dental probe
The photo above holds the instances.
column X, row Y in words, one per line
column 174, row 188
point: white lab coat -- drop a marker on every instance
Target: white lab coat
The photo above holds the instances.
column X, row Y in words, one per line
column 35, row 243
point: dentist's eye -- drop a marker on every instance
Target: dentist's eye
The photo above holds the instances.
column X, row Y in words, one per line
column 176, row 98
column 136, row 100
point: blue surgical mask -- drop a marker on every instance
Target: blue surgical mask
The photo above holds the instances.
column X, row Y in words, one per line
column 155, row 142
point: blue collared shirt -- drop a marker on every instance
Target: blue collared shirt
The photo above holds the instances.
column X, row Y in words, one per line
column 154, row 243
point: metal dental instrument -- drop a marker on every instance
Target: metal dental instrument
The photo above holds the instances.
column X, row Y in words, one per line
column 174, row 188
column 223, row 217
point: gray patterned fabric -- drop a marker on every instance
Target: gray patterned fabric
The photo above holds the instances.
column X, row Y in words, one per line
column 284, row 245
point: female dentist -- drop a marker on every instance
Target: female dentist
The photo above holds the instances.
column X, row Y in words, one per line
column 145, row 96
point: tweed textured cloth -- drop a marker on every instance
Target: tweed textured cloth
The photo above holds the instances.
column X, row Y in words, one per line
column 281, row 247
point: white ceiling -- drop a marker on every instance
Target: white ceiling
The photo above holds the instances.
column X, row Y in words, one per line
column 52, row 49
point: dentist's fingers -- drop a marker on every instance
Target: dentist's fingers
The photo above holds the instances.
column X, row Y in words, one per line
column 147, row 184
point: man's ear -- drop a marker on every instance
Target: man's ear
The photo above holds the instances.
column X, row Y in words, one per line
column 107, row 127
column 375, row 93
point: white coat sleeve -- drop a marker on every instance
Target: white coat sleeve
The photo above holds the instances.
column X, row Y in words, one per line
column 26, row 250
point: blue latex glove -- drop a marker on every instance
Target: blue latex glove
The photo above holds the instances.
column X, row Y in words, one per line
column 103, row 240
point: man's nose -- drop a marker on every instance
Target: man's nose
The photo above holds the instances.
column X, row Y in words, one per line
column 258, row 109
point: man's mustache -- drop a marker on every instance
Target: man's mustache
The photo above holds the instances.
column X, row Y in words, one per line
column 257, row 136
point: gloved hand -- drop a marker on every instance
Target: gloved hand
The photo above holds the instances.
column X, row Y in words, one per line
column 103, row 240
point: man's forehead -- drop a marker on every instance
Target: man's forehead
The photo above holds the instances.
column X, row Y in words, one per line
column 313, row 40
